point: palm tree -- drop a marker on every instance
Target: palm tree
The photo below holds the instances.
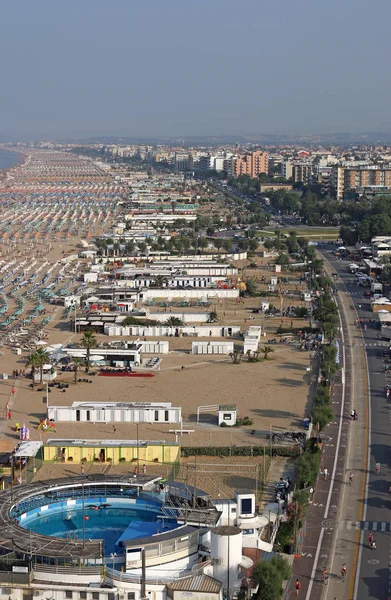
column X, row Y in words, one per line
column 32, row 361
column 266, row 351
column 236, row 357
column 42, row 358
column 77, row 363
column 174, row 322
column 159, row 281
column 88, row 341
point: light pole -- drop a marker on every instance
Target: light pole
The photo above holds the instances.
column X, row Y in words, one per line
column 112, row 556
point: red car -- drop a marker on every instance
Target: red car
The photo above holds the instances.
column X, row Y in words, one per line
column 367, row 294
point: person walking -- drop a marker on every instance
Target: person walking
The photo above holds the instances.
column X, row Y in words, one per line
column 351, row 478
column 297, row 586
column 325, row 474
column 344, row 571
column 377, row 468
column 82, row 469
column 370, row 539
column 325, row 575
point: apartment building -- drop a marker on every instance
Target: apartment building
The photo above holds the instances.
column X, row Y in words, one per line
column 301, row 172
column 347, row 179
column 287, row 169
column 252, row 164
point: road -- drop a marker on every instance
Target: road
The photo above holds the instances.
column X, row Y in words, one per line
column 373, row 575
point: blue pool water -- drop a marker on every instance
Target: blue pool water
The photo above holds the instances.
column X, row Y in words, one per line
column 137, row 519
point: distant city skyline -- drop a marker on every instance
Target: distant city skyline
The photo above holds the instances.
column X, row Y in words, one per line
column 197, row 68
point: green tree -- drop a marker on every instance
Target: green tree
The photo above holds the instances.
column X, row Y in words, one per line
column 88, row 341
column 251, row 287
column 159, row 282
column 33, row 362
column 42, row 358
column 253, row 244
column 174, row 322
column 142, row 246
column 218, row 244
column 269, row 576
column 77, row 363
column 203, row 243
column 227, row 245
column 266, row 350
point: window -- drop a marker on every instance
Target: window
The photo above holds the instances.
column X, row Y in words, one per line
column 227, row 416
column 83, row 595
column 95, row 595
column 110, row 596
column 131, row 596
column 156, row 415
column 68, row 594
column 166, row 415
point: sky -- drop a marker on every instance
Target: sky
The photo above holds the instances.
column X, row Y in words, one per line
column 143, row 68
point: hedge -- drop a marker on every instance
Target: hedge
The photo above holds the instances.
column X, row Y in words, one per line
column 287, row 451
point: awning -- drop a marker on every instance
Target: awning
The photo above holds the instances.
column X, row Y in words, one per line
column 27, row 449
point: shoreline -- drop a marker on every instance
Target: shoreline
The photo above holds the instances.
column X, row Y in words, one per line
column 22, row 157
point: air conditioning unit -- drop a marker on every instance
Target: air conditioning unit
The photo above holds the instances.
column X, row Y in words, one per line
column 8, row 591
column 122, row 597
column 37, row 592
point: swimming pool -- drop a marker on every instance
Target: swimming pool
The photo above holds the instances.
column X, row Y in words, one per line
column 109, row 519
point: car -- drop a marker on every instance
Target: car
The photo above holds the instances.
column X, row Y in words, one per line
column 367, row 294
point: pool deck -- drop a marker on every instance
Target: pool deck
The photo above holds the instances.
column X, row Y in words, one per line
column 14, row 537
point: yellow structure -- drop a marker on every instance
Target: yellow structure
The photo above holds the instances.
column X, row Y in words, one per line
column 110, row 451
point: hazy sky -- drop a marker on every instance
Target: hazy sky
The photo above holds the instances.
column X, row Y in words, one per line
column 194, row 67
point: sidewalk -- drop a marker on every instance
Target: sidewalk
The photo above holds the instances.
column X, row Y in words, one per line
column 326, row 540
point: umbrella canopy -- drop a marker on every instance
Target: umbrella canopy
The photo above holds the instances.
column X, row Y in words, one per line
column 41, row 343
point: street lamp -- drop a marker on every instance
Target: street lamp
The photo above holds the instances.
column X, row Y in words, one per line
column 112, row 556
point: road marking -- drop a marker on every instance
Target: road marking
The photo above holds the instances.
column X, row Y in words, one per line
column 315, row 564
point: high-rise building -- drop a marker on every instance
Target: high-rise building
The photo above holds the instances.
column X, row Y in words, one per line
column 301, row 172
column 286, row 169
column 252, row 164
column 347, row 179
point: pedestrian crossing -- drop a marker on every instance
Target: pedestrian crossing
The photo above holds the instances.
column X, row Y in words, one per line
column 379, row 344
column 381, row 526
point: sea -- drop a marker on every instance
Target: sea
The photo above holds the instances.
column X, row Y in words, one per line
column 8, row 159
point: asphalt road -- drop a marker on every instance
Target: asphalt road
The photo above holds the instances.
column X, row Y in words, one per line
column 374, row 580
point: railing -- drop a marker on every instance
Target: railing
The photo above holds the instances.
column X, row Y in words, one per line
column 11, row 578
column 156, row 580
column 66, row 570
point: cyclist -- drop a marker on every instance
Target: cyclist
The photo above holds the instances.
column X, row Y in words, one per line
column 325, row 575
column 377, row 467
column 370, row 539
column 344, row 570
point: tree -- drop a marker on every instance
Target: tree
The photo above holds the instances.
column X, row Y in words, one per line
column 212, row 317
column 266, row 350
column 251, row 287
column 268, row 576
column 142, row 246
column 282, row 259
column 253, row 244
column 174, row 322
column 202, row 243
column 159, row 282
column 88, row 341
column 236, row 357
column 227, row 244
column 32, row 361
column 218, row 244
column 42, row 358
column 77, row 363
column 129, row 247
